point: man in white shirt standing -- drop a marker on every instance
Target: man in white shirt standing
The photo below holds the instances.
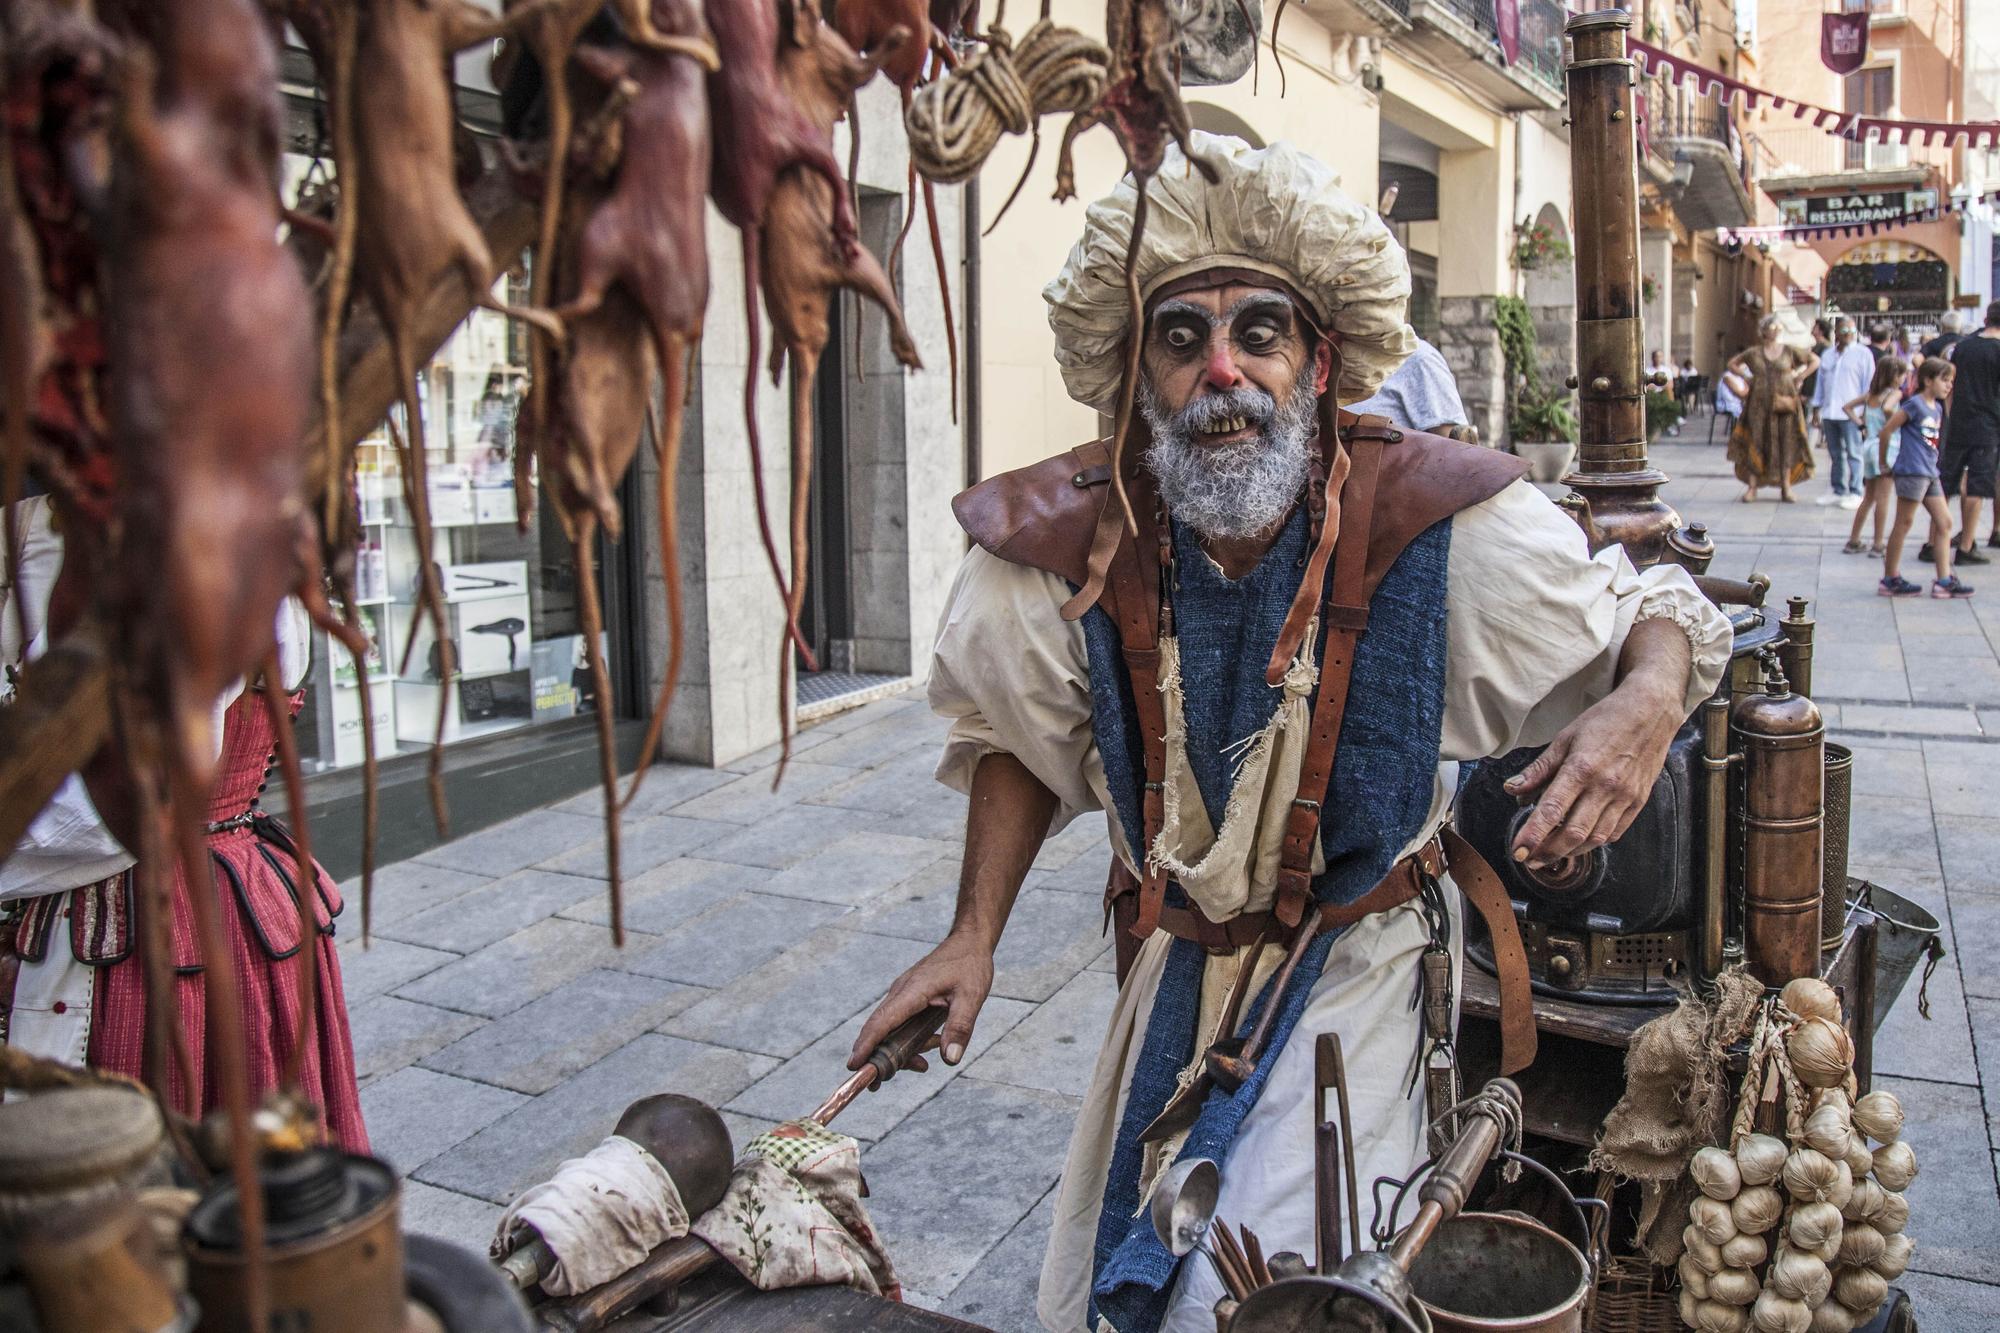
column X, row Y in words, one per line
column 1845, row 371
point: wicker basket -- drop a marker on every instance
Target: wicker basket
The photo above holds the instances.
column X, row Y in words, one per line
column 1633, row 1297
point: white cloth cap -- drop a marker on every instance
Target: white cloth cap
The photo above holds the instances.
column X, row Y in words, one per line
column 1273, row 210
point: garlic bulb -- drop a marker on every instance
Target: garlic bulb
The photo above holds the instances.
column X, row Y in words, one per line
column 1733, row 1286
column 1757, row 1209
column 1809, row 997
column 1689, row 1302
column 1776, row 1314
column 1744, row 1251
column 1834, row 1096
column 1893, row 1215
column 1829, row 1131
column 1693, row 1279
column 1860, row 1245
column 1860, row 1158
column 1716, row 1174
column 1860, row 1289
column 1864, row 1202
column 1759, row 1158
column 1880, row 1116
column 1895, row 1166
column 1814, row 1225
column 1843, row 1186
column 1810, row 1176
column 1830, row 1317
column 1821, row 1052
column 1798, row 1275
column 1715, row 1317
column 1895, row 1257
column 1702, row 1250
column 1712, row 1219
column 1828, row 1252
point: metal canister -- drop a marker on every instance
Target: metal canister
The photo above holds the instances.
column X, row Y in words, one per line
column 333, row 1248
column 1833, row 875
column 1782, row 739
column 1795, row 650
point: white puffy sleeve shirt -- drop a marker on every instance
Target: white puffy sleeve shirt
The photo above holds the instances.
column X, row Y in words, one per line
column 1535, row 627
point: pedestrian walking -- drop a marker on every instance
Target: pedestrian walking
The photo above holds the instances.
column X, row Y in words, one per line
column 1822, row 338
column 1950, row 329
column 1971, row 452
column 1845, row 372
column 1872, row 411
column 1915, row 470
column 1768, row 442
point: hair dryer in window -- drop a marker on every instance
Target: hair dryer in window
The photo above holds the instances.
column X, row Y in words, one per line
column 511, row 627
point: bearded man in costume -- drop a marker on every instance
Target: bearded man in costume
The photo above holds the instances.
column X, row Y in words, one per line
column 1267, row 691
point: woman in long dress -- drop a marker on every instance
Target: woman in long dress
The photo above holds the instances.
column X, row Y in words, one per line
column 1768, row 442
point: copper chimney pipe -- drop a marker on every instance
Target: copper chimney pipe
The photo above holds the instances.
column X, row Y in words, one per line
column 1619, row 487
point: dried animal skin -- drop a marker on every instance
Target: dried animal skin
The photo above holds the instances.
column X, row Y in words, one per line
column 413, row 227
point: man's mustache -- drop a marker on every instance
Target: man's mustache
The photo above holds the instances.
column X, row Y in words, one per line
column 1212, row 412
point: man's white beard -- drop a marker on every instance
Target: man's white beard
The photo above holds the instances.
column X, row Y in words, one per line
column 1232, row 490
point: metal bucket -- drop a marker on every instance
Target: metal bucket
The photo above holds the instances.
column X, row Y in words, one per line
column 1501, row 1273
column 1833, row 861
column 1904, row 934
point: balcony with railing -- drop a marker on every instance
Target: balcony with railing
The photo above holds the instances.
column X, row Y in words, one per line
column 1798, row 158
column 1450, row 30
column 1364, row 18
column 1713, row 182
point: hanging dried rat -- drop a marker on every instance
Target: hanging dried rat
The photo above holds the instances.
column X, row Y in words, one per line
column 413, row 226
column 759, row 132
column 633, row 264
column 1143, row 106
column 803, row 269
column 209, row 345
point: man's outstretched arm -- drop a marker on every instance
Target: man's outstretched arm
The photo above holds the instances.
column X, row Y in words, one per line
column 1006, row 821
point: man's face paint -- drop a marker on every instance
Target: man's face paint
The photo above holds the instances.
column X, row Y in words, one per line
column 1229, row 390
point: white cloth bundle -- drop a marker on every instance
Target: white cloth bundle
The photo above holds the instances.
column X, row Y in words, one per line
column 600, row 1213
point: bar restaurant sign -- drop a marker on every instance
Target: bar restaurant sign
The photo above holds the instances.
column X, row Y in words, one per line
column 1834, row 210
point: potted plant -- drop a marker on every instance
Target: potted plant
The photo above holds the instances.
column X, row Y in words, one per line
column 1663, row 413
column 1536, row 244
column 1540, row 424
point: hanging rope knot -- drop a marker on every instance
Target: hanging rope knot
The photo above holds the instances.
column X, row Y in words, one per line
column 955, row 122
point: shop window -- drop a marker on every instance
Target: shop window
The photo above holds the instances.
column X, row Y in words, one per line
column 515, row 656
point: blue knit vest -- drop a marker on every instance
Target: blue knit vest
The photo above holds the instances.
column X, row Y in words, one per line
column 1377, row 801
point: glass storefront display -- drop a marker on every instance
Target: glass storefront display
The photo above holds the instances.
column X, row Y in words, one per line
column 516, row 656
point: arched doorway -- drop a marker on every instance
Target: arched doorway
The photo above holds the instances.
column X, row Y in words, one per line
column 1549, row 288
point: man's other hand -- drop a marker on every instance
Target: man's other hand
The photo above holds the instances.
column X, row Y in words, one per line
column 958, row 973
column 1598, row 773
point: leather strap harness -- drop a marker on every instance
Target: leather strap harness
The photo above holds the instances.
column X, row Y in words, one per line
column 1342, row 503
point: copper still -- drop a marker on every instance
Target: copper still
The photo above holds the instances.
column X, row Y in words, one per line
column 1783, row 742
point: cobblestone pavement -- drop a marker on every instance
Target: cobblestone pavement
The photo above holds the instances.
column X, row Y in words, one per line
column 498, row 1031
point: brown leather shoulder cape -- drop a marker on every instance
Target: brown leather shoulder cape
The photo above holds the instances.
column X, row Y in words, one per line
column 1045, row 515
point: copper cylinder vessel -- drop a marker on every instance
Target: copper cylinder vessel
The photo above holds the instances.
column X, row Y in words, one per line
column 1795, row 650
column 1783, row 743
column 1620, row 487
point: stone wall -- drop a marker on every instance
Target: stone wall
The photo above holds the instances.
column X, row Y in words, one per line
column 1471, row 347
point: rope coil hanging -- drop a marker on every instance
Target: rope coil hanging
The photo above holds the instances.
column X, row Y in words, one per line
column 955, row 122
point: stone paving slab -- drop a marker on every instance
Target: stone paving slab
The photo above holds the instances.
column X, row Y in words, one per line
column 803, row 1081
column 666, row 786
column 430, row 1211
column 1956, row 1225
column 734, row 937
column 575, row 1025
column 382, row 965
column 524, row 1145
column 642, row 845
column 669, row 896
column 956, row 1176
column 390, row 1033
column 789, row 835
column 520, row 841
column 750, row 800
column 404, row 889
column 858, row 867
column 527, row 964
column 788, row 1003
column 1000, row 1292
column 1055, row 1049
column 415, row 1114
column 493, row 911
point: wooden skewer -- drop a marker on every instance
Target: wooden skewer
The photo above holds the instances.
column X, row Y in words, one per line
column 1235, row 1267
column 1260, row 1272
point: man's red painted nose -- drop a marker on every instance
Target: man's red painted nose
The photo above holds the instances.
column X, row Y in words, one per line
column 1220, row 370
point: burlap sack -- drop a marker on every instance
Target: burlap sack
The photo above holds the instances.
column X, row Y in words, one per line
column 1676, row 1102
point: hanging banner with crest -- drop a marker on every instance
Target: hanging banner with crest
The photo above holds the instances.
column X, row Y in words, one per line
column 1843, row 41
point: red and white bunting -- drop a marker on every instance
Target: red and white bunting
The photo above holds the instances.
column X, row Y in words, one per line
column 1841, row 124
